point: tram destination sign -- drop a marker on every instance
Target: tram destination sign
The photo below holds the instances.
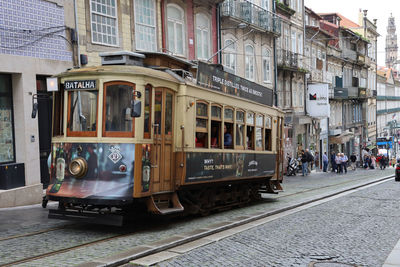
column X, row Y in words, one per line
column 212, row 77
column 81, row 85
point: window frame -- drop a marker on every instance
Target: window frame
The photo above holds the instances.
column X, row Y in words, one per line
column 265, row 128
column 236, row 146
column 218, row 120
column 249, row 61
column 200, row 129
column 230, row 53
column 71, row 133
column 175, row 36
column 262, row 132
column 107, row 16
column 147, row 26
column 116, row 133
column 147, row 135
column 203, row 42
column 267, row 57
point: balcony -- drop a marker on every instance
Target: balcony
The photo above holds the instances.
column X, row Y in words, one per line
column 338, row 93
column 349, row 54
column 283, row 7
column 287, row 59
column 257, row 17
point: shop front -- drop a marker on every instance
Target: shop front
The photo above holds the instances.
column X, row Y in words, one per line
column 12, row 174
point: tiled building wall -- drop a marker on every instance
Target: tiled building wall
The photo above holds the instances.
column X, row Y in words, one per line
column 33, row 28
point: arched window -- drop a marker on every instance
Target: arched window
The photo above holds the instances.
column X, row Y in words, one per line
column 249, row 62
column 176, row 36
column 145, row 25
column 230, row 56
column 202, row 36
column 266, row 65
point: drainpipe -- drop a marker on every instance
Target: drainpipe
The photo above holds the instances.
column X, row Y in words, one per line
column 219, row 33
column 275, row 63
column 77, row 34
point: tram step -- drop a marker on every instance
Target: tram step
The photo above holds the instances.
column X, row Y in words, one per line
column 164, row 204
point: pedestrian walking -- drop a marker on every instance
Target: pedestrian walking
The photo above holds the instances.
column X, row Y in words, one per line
column 353, row 159
column 333, row 161
column 325, row 162
column 373, row 162
column 343, row 162
column 383, row 162
column 304, row 163
column 310, row 160
column 338, row 163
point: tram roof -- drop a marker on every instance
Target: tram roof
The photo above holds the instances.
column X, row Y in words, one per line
column 119, row 70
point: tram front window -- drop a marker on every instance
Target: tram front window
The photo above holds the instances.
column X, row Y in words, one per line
column 82, row 111
column 117, row 113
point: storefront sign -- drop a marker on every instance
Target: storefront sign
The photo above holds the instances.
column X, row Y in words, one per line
column 81, row 85
column 318, row 100
column 210, row 76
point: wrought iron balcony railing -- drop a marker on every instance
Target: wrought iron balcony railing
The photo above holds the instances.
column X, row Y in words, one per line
column 287, row 58
column 252, row 14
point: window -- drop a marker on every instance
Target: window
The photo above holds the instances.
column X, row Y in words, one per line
column 104, row 22
column 259, row 131
column 117, row 120
column 250, row 130
column 147, row 111
column 294, row 48
column 201, row 138
column 266, row 65
column 249, row 62
column 175, row 32
column 240, row 129
column 145, row 25
column 82, row 113
column 265, row 4
column 228, row 128
column 168, row 113
column 7, row 153
column 268, row 130
column 216, row 120
column 157, row 112
column 202, row 36
column 300, row 40
column 230, row 56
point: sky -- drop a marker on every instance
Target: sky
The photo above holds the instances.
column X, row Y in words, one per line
column 376, row 10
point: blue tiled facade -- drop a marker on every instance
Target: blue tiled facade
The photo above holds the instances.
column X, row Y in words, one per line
column 33, row 28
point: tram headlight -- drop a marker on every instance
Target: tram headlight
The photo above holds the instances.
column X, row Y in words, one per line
column 78, row 167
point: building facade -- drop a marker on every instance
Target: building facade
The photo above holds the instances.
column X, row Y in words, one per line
column 35, row 43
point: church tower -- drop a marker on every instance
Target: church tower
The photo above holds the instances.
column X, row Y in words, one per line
column 391, row 43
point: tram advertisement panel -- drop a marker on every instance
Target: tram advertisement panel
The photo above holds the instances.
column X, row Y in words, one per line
column 107, row 170
column 214, row 166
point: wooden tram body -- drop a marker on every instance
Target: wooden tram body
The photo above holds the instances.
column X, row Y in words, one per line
column 171, row 158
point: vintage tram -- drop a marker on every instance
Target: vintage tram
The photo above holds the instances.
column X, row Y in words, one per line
column 166, row 139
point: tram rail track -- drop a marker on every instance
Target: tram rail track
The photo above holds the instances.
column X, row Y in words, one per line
column 177, row 240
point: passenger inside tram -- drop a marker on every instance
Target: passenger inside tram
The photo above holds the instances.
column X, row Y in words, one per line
column 227, row 136
column 201, row 139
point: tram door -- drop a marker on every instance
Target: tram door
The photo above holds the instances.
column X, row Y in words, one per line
column 163, row 157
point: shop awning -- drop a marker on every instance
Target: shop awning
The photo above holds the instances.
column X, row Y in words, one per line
column 341, row 138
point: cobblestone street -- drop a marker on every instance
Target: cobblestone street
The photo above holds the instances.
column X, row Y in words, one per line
column 361, row 228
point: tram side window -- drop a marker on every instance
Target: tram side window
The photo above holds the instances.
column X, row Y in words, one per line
column 268, row 131
column 82, row 113
column 147, row 111
column 216, row 120
column 259, row 131
column 250, row 130
column 240, row 129
column 228, row 128
column 117, row 113
column 201, row 138
column 58, row 105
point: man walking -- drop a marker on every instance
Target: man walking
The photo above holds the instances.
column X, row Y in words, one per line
column 304, row 163
column 343, row 161
column 310, row 160
column 325, row 162
column 333, row 161
column 353, row 159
